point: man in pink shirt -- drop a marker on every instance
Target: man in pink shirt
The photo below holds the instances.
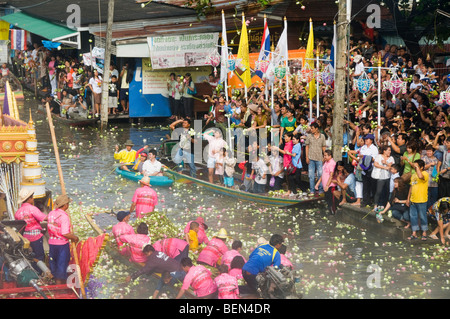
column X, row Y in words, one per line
column 173, row 247
column 136, row 242
column 212, row 254
column 60, row 232
column 328, row 168
column 122, row 228
column 32, row 216
column 145, row 198
column 201, row 234
column 227, row 285
column 228, row 256
column 199, row 278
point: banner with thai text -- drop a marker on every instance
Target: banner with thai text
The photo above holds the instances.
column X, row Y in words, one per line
column 181, row 50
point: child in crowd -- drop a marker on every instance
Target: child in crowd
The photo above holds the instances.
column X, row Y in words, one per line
column 395, row 172
column 191, row 236
column 220, row 169
column 229, row 163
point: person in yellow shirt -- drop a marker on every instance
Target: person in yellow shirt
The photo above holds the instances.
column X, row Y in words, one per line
column 126, row 156
column 191, row 236
column 417, row 200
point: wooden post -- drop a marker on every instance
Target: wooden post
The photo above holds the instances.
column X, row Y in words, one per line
column 340, row 82
column 55, row 147
column 106, row 71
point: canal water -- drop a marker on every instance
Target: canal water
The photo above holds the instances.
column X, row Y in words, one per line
column 335, row 260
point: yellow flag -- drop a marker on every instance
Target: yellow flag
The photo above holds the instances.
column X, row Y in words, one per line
column 310, row 63
column 4, row 30
column 243, row 55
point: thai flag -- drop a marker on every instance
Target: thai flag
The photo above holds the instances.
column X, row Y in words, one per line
column 18, row 39
column 265, row 48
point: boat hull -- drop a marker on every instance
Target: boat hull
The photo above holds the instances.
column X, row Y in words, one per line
column 154, row 180
column 257, row 198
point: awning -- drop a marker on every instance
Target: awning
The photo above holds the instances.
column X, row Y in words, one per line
column 49, row 30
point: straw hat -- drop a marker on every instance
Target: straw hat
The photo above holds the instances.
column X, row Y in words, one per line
column 62, row 200
column 145, row 180
column 262, row 241
column 222, row 234
column 129, row 143
column 24, row 195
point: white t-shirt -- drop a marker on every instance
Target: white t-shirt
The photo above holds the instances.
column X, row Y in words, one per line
column 260, row 169
column 96, row 88
column 378, row 173
column 151, row 168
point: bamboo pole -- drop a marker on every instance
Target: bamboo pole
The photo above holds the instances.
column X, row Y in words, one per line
column 55, row 147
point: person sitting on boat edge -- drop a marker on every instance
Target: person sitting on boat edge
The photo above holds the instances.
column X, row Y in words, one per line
column 144, row 199
column 158, row 262
column 263, row 256
column 152, row 167
column 440, row 213
column 199, row 278
column 140, row 160
column 122, row 228
column 135, row 243
column 78, row 110
column 126, row 156
column 33, row 217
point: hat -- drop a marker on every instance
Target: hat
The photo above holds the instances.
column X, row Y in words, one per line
column 200, row 220
column 24, row 195
column 369, row 136
column 357, row 58
column 262, row 241
column 122, row 214
column 129, row 142
column 145, row 180
column 62, row 200
column 222, row 233
column 144, row 154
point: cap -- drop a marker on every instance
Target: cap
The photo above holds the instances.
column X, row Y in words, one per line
column 369, row 136
column 122, row 214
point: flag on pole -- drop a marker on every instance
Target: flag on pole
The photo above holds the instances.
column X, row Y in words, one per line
column 18, row 39
column 280, row 54
column 224, row 52
column 309, row 60
column 265, row 48
column 333, row 51
column 4, row 30
column 243, row 55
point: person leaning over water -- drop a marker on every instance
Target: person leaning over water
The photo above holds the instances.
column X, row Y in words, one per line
column 263, row 256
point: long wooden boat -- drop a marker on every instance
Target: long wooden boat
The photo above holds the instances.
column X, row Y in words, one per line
column 100, row 232
column 16, row 88
column 236, row 193
column 154, row 180
column 71, row 122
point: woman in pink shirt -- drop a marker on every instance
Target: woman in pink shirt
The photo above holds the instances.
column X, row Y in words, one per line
column 212, row 254
column 328, row 168
column 199, row 278
column 236, row 267
column 32, row 216
column 122, row 228
column 144, row 199
column 136, row 243
column 227, row 285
